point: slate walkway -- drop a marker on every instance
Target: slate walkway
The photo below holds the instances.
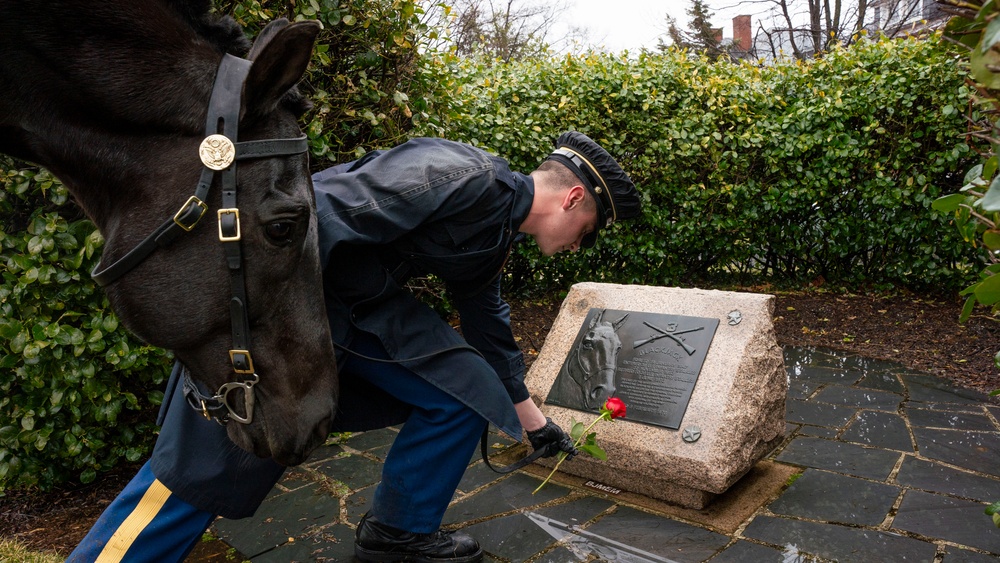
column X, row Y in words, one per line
column 895, row 466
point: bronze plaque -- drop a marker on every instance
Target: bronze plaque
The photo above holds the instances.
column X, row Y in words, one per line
column 650, row 361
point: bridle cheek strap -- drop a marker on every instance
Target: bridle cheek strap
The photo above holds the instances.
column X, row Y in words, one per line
column 219, row 152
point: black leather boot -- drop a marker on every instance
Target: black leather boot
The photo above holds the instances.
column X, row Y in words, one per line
column 375, row 541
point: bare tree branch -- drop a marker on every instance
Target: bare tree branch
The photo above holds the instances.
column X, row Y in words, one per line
column 805, row 28
column 502, row 29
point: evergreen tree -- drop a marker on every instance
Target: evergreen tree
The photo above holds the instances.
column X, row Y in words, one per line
column 700, row 36
column 676, row 36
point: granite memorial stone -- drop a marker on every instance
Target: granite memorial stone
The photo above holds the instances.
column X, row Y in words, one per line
column 700, row 371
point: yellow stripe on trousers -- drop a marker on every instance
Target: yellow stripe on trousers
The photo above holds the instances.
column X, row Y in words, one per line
column 150, row 504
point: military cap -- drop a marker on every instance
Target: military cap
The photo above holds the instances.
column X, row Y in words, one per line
column 609, row 185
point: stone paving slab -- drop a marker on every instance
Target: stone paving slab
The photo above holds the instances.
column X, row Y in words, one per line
column 297, row 514
column 958, row 555
column 820, row 495
column 840, row 457
column 979, row 451
column 955, row 520
column 802, row 389
column 880, row 429
column 745, row 552
column 522, row 535
column 648, row 533
column 860, row 398
column 950, row 420
column 937, row 478
column 840, row 543
column 886, row 464
column 930, row 389
column 882, row 380
column 818, row 414
column 823, row 375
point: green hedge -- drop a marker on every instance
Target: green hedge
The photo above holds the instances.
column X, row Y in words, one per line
column 76, row 391
column 785, row 173
column 370, row 78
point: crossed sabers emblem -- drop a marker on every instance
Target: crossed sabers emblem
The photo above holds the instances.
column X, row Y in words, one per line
column 670, row 333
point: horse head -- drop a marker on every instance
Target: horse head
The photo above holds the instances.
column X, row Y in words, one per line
column 598, row 359
column 113, row 98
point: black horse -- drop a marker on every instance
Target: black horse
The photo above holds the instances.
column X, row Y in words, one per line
column 113, row 97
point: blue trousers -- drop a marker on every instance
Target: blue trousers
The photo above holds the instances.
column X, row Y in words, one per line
column 150, row 522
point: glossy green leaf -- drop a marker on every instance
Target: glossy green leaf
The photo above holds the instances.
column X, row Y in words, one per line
column 991, row 200
column 990, row 166
column 979, row 63
column 988, row 291
column 991, row 239
column 967, row 308
column 991, row 35
column 594, row 451
column 948, row 203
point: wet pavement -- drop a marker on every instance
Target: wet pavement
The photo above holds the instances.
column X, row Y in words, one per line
column 892, row 465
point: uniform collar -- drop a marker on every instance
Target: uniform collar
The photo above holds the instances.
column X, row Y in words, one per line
column 524, row 195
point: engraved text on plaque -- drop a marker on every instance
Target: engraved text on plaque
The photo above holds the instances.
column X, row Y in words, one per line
column 650, row 361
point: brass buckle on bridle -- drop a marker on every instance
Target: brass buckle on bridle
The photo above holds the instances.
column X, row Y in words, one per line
column 234, row 234
column 181, row 217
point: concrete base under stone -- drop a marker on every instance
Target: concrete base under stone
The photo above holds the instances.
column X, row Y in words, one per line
column 738, row 401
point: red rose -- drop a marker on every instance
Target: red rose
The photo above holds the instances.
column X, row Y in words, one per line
column 615, row 407
column 585, row 440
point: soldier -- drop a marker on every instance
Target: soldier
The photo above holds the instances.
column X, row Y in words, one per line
column 427, row 206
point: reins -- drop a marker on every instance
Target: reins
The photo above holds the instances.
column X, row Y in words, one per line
column 219, row 152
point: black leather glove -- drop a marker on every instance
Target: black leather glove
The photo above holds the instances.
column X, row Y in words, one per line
column 553, row 439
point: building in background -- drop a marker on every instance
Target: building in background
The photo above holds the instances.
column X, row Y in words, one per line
column 802, row 28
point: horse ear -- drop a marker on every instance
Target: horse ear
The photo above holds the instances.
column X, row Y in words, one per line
column 618, row 324
column 597, row 319
column 280, row 56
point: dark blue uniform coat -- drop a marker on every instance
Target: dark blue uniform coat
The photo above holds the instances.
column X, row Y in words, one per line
column 429, row 206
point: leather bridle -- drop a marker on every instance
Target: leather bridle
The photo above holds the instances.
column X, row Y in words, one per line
column 219, row 152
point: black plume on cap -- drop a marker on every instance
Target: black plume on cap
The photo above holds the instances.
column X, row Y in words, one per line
column 615, row 194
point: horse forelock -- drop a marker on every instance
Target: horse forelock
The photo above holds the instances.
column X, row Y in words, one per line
column 221, row 31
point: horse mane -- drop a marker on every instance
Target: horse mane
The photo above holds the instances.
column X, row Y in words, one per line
column 221, row 31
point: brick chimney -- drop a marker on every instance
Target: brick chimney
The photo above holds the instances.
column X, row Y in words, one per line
column 717, row 34
column 741, row 32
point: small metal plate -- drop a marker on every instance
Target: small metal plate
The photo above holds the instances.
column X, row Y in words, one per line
column 650, row 361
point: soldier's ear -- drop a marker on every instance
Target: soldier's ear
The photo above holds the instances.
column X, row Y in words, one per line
column 574, row 197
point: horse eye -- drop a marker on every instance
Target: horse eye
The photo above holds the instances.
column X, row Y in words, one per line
column 280, row 232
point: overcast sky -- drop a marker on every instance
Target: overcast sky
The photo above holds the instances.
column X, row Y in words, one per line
column 632, row 24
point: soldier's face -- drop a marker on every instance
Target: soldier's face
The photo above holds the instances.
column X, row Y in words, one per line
column 567, row 231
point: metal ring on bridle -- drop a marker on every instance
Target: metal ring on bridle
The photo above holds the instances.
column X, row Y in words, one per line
column 248, row 399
